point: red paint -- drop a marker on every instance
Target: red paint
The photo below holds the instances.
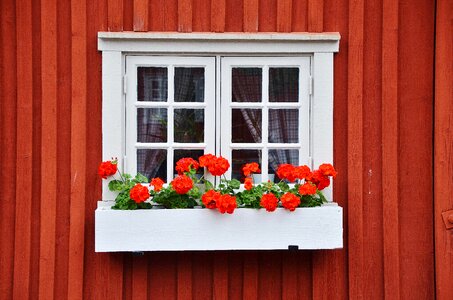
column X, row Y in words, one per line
column 384, row 100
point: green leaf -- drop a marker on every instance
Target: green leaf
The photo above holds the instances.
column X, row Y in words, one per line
column 139, row 178
column 234, row 184
column 116, row 185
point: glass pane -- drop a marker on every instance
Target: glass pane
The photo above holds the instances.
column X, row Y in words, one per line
column 152, row 163
column 283, row 126
column 242, row 157
column 195, row 154
column 246, row 125
column 281, row 156
column 283, row 84
column 189, row 84
column 152, row 125
column 246, row 84
column 189, row 125
column 152, row 84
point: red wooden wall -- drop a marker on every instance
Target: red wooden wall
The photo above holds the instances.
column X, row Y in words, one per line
column 391, row 62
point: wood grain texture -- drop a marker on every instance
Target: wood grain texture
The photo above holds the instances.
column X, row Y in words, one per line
column 218, row 15
column 250, row 16
column 185, row 15
column 24, row 155
column 141, row 15
column 8, row 123
column 115, row 15
column 49, row 162
column 390, row 149
column 443, row 149
column 78, row 150
column 284, row 15
column 355, row 149
column 50, row 76
column 315, row 13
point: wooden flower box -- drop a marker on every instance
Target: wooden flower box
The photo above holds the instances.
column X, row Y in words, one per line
column 204, row 229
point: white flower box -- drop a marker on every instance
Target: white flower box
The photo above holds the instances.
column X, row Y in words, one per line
column 204, row 229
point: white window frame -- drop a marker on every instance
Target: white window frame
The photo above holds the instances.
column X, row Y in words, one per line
column 116, row 45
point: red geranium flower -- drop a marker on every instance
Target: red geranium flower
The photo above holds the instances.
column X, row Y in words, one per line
column 184, row 164
column 157, row 183
column 226, row 204
column 302, row 172
column 210, row 198
column 307, row 189
column 321, row 181
column 269, row 202
column 218, row 166
column 107, row 168
column 251, row 168
column 248, row 183
column 287, row 171
column 206, row 160
column 290, row 201
column 139, row 193
column 182, row 184
column 328, row 170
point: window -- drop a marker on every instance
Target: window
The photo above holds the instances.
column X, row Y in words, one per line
column 263, row 97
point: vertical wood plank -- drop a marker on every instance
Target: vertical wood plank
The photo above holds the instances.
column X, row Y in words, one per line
column 115, row 276
column 390, row 191
column 267, row 18
column 250, row 282
column 201, row 15
column 8, row 78
column 235, row 275
column 284, row 15
column 202, row 279
column 156, row 15
column 299, row 15
column 185, row 15
column 115, row 15
column 270, row 275
column 415, row 125
column 140, row 277
column 443, row 149
column 315, row 17
column 250, row 15
column 234, row 16
column 290, row 270
column 355, row 148
column 49, row 148
column 220, row 275
column 163, row 269
column 218, row 15
column 184, row 276
column 24, row 156
column 128, row 16
column 78, row 149
column 141, row 15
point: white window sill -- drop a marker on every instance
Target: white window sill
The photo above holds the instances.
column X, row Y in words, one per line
column 203, row 229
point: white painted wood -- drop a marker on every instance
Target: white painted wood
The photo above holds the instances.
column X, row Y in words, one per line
column 322, row 113
column 203, row 229
column 213, row 43
column 112, row 113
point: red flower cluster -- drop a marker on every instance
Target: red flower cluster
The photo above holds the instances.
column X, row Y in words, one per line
column 291, row 173
column 182, row 184
column 157, row 183
column 108, row 168
column 328, row 170
column 210, row 198
column 307, row 189
column 248, row 183
column 321, row 181
column 290, row 201
column 139, row 193
column 269, row 202
column 217, row 166
column 250, row 168
column 226, row 204
column 184, row 164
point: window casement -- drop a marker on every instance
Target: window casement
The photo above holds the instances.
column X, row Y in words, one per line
column 261, row 97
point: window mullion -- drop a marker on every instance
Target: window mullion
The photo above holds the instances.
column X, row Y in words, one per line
column 265, row 124
column 170, row 125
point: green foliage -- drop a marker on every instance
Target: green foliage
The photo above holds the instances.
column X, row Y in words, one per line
column 123, row 186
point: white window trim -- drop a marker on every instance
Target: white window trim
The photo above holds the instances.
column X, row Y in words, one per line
column 115, row 45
